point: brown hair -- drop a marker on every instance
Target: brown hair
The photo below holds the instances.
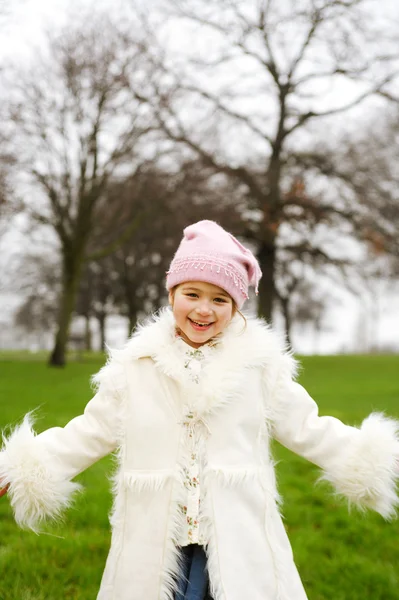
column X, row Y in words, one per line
column 237, row 310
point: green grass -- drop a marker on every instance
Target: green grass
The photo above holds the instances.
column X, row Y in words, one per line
column 339, row 556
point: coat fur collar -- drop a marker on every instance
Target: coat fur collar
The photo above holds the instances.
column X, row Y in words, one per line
column 239, row 348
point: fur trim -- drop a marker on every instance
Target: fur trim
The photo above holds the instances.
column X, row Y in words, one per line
column 236, row 476
column 368, row 474
column 208, row 528
column 157, row 336
column 147, row 480
column 280, row 560
column 36, row 492
column 111, row 378
column 274, row 386
column 240, row 348
column 172, row 557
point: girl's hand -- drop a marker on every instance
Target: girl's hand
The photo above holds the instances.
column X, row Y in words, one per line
column 4, row 490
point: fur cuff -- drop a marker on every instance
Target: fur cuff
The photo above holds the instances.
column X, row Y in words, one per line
column 36, row 491
column 367, row 472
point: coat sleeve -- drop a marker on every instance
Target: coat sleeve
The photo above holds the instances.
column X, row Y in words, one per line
column 39, row 468
column 362, row 464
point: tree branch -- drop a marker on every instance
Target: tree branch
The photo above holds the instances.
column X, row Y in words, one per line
column 229, row 112
column 240, row 172
column 316, row 20
column 334, row 111
column 128, row 232
column 300, row 250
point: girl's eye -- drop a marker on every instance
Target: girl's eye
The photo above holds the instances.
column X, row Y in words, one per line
column 191, row 295
column 220, row 300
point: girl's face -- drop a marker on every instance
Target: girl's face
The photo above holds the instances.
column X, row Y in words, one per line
column 201, row 310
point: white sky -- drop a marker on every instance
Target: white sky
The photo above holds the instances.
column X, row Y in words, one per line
column 21, row 20
column 351, row 323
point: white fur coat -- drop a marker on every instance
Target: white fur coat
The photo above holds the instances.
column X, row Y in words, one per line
column 246, row 396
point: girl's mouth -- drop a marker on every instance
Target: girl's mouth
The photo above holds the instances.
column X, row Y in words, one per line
column 200, row 326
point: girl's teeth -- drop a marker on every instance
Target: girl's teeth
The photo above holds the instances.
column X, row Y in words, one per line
column 201, row 324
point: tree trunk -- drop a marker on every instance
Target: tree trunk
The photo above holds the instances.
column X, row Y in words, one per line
column 130, row 297
column 101, row 322
column 271, row 219
column 131, row 309
column 88, row 337
column 267, row 261
column 68, row 298
column 132, row 321
column 287, row 319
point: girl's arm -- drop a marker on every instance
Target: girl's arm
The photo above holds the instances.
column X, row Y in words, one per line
column 37, row 469
column 360, row 463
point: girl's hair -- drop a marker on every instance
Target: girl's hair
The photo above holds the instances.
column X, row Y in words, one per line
column 241, row 315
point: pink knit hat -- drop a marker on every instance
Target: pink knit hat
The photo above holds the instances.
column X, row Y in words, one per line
column 209, row 253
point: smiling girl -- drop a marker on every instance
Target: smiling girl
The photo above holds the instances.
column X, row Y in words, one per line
column 190, row 404
column 201, row 310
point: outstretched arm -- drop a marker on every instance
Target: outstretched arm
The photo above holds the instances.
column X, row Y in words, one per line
column 360, row 463
column 37, row 469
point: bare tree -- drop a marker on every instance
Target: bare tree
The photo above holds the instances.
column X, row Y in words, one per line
column 259, row 74
column 76, row 125
column 174, row 200
column 38, row 282
column 301, row 267
column 8, row 204
column 97, row 298
column 363, row 170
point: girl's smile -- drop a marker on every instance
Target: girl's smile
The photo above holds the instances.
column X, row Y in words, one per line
column 201, row 310
column 199, row 326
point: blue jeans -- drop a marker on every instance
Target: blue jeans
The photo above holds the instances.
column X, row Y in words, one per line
column 192, row 583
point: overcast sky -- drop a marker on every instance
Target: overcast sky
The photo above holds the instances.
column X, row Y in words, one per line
column 21, row 20
column 21, row 23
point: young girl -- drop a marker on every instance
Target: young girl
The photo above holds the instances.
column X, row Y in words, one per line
column 191, row 404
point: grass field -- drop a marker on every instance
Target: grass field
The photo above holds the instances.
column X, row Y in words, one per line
column 340, row 556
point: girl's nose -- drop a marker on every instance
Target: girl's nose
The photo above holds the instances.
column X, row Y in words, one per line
column 204, row 308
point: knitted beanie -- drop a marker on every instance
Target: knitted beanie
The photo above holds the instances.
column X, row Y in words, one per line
column 209, row 253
